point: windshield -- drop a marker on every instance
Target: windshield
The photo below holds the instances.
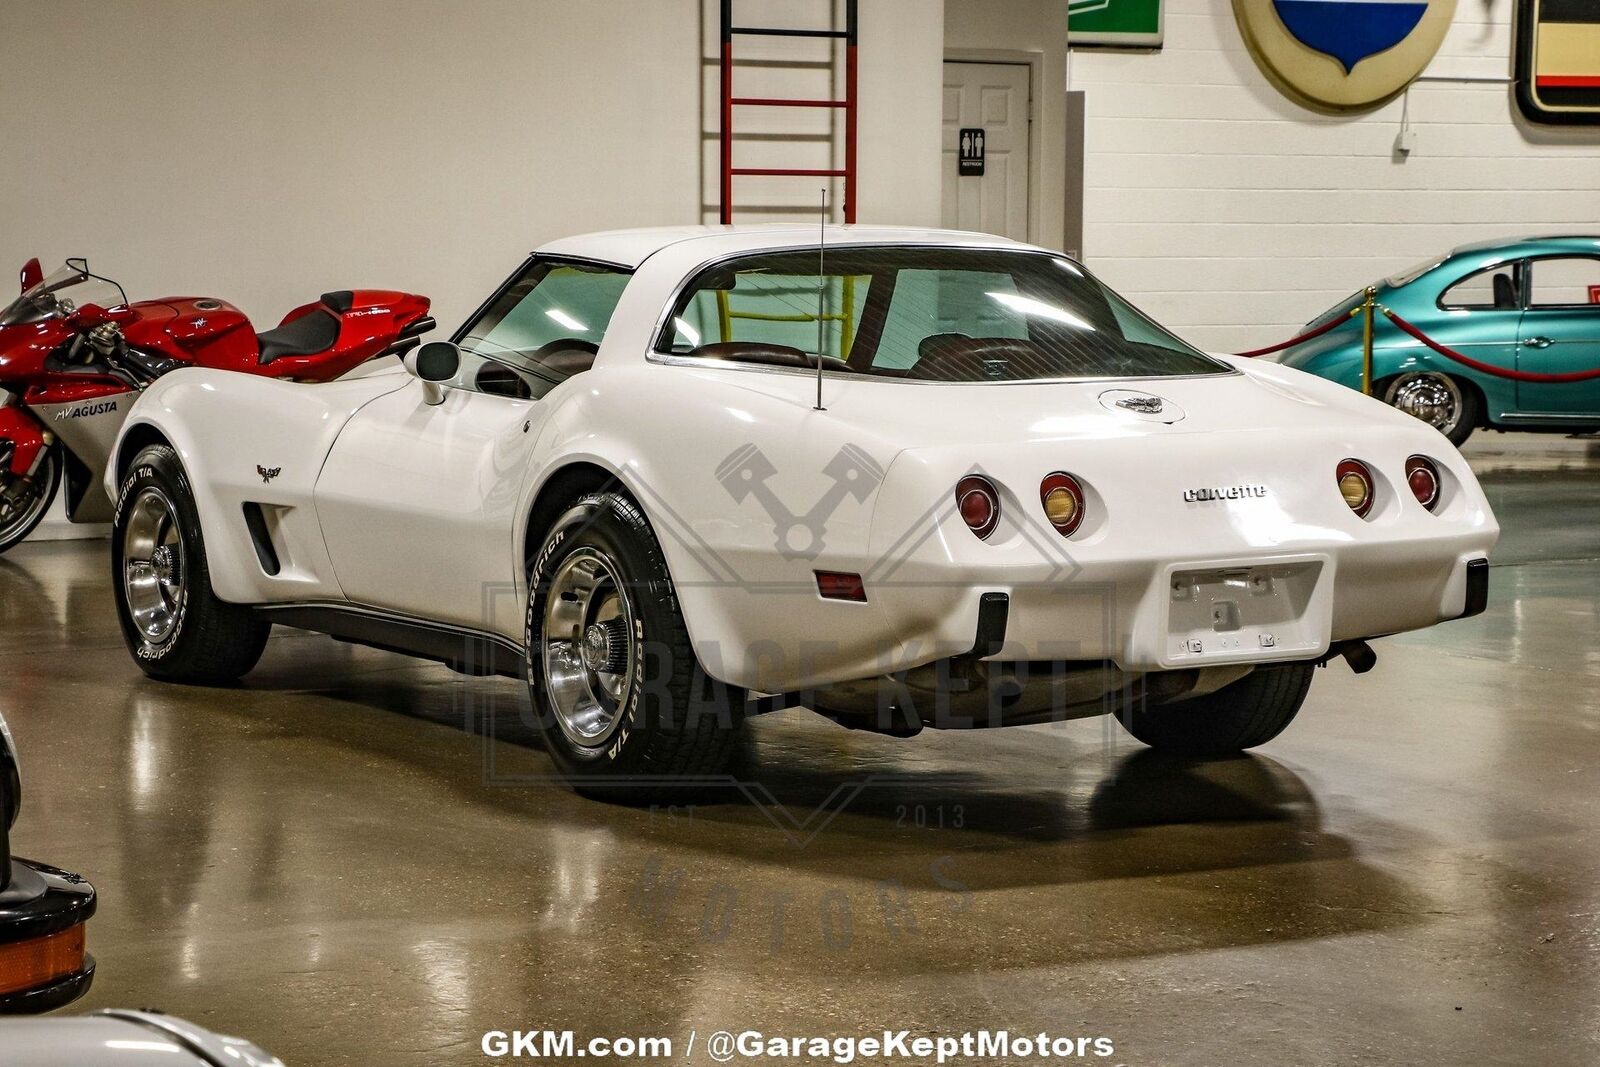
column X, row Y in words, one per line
column 929, row 314
column 66, row 289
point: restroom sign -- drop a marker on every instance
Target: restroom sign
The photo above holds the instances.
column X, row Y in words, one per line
column 970, row 159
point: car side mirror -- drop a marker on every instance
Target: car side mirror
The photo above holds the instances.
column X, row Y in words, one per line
column 434, row 364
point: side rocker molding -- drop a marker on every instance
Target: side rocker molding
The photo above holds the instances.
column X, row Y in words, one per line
column 463, row 650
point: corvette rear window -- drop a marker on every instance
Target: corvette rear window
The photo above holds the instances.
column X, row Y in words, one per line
column 930, row 314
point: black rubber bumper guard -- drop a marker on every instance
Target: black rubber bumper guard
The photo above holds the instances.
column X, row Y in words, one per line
column 1477, row 588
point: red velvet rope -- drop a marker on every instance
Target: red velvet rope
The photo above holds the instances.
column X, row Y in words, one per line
column 1489, row 368
column 1309, row 335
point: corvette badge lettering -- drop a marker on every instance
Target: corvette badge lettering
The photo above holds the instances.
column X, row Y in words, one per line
column 1229, row 492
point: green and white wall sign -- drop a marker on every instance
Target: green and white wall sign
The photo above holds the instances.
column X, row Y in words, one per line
column 1116, row 23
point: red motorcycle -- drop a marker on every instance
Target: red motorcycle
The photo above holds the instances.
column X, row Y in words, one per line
column 74, row 354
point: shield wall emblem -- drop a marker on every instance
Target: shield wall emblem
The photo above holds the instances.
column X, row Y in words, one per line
column 1343, row 55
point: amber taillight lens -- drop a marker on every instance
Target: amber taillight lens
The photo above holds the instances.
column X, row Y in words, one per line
column 979, row 504
column 1423, row 478
column 42, row 961
column 1062, row 498
column 1355, row 485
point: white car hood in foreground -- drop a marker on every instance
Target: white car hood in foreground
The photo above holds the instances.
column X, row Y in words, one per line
column 123, row 1039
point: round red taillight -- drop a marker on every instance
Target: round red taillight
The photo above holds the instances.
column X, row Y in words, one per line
column 1423, row 478
column 1062, row 498
column 1355, row 485
column 979, row 504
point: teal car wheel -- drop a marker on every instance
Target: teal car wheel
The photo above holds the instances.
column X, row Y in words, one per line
column 1438, row 400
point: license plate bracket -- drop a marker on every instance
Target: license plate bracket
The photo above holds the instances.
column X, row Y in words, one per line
column 1247, row 612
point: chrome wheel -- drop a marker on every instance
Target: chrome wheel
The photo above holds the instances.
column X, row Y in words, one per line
column 588, row 647
column 1433, row 398
column 23, row 505
column 153, row 566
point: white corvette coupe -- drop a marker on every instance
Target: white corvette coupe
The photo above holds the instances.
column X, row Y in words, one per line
column 903, row 478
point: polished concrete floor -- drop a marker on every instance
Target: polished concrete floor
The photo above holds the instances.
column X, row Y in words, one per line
column 342, row 861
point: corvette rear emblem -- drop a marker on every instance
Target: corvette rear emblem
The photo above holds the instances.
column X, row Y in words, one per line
column 268, row 473
column 1224, row 492
column 1144, row 405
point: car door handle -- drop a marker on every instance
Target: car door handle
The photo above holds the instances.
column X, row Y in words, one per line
column 1538, row 342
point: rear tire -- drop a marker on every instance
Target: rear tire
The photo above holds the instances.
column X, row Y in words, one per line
column 172, row 623
column 619, row 697
column 1250, row 712
column 21, row 519
column 1447, row 404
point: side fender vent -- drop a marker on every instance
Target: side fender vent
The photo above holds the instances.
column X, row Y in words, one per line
column 261, row 537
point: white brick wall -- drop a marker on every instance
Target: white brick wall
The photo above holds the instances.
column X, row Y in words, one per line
column 1235, row 216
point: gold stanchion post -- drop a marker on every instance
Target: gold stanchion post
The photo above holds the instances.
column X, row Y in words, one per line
column 1366, row 341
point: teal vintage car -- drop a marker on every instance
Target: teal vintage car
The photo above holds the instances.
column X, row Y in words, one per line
column 1524, row 305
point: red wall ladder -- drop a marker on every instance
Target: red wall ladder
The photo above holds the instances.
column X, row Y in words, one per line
column 729, row 102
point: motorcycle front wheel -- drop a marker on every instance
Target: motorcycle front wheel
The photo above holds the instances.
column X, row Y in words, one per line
column 23, row 507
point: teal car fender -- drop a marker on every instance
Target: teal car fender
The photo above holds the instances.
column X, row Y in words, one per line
column 1336, row 356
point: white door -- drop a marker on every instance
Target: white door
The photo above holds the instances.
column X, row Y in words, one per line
column 992, row 97
column 413, row 501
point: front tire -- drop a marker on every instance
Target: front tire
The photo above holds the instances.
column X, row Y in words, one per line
column 172, row 623
column 19, row 516
column 625, row 710
column 1250, row 712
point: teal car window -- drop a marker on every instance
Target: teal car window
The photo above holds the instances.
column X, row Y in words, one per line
column 1565, row 282
column 1492, row 287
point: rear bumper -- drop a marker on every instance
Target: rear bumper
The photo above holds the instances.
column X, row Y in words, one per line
column 1139, row 616
column 38, row 904
column 1120, row 612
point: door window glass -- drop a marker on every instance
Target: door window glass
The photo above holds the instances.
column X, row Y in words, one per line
column 1572, row 281
column 1491, row 288
column 543, row 329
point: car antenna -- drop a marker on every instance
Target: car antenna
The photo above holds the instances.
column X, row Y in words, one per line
column 822, row 241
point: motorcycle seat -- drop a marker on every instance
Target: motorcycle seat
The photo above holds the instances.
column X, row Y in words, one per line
column 311, row 333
